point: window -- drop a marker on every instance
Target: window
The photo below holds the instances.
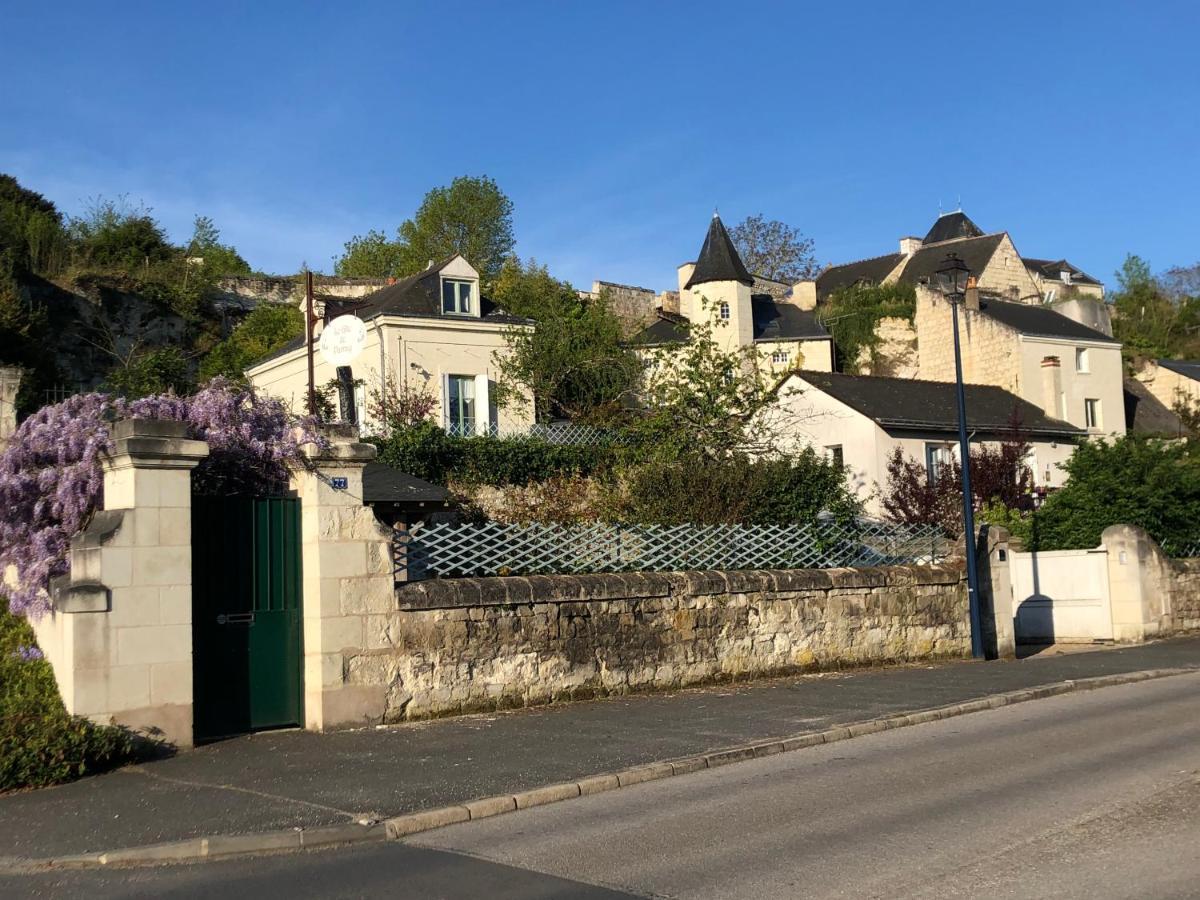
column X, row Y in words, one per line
column 780, row 357
column 836, row 456
column 937, row 458
column 724, row 311
column 1081, row 360
column 1091, row 413
column 1050, row 294
column 460, row 405
column 456, row 297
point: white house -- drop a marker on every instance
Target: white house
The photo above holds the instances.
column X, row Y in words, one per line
column 859, row 421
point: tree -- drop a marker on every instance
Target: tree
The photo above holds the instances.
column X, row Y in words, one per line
column 701, row 398
column 1132, row 480
column 573, row 363
column 370, row 255
column 218, row 259
column 32, row 236
column 471, row 216
column 1145, row 319
column 999, row 475
column 267, row 328
column 160, row 371
column 774, row 250
column 117, row 234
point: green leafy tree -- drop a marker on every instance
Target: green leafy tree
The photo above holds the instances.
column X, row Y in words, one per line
column 264, row 330
column 774, row 249
column 116, row 234
column 700, row 397
column 32, row 235
column 217, row 259
column 1132, row 480
column 158, row 371
column 471, row 216
column 370, row 255
column 573, row 363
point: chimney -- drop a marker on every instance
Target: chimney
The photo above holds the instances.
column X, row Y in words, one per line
column 1052, row 386
column 804, row 294
column 391, row 280
column 910, row 245
column 668, row 302
column 685, row 272
column 971, row 298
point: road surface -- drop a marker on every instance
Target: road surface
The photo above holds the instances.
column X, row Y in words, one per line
column 1086, row 795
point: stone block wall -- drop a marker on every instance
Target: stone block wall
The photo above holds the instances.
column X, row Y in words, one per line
column 476, row 643
column 119, row 632
column 991, row 352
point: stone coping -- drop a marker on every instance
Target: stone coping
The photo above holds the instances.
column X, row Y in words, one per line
column 446, row 593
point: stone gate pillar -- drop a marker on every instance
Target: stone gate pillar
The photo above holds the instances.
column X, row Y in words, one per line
column 995, row 590
column 10, row 383
column 119, row 630
column 348, row 581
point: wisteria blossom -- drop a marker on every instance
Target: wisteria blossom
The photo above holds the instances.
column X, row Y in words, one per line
column 51, row 474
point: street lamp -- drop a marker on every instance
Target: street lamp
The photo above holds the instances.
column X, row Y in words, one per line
column 952, row 279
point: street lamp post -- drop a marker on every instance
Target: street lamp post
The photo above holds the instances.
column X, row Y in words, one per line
column 952, row 278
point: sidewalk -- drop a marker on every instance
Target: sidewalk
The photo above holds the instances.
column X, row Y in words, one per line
column 292, row 779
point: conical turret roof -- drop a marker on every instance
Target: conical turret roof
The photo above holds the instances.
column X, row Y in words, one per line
column 718, row 260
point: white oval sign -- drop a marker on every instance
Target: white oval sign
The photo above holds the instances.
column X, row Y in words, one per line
column 342, row 340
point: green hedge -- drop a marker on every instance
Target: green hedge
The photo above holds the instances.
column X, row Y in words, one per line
column 40, row 744
column 426, row 451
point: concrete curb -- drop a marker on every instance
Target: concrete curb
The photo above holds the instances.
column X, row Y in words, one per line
column 398, row 827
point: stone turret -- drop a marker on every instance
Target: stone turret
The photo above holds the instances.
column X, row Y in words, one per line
column 10, row 383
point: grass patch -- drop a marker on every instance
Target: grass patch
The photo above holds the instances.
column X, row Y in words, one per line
column 40, row 743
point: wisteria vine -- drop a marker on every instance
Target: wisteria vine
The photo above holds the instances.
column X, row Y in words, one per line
column 51, row 473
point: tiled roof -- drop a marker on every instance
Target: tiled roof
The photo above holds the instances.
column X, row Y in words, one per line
column 774, row 321
column 864, row 271
column 911, row 404
column 383, row 484
column 1050, row 269
column 1186, row 367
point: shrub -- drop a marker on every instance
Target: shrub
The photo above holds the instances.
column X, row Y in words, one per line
column 425, row 450
column 265, row 329
column 1132, row 480
column 854, row 313
column 40, row 744
column 704, row 490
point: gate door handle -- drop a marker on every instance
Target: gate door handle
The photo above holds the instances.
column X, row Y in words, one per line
column 236, row 619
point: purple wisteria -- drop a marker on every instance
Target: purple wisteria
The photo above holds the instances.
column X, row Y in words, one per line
column 51, row 475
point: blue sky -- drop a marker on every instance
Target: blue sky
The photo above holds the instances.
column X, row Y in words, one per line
column 617, row 127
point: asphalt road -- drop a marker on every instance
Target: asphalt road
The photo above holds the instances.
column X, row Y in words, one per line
column 1085, row 795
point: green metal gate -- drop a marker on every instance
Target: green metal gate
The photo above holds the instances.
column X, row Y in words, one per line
column 246, row 649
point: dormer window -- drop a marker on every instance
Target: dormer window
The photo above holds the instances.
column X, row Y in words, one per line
column 457, row 299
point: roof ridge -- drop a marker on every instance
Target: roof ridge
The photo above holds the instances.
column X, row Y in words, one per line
column 854, row 262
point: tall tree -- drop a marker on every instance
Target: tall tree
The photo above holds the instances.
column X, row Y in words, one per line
column 471, row 216
column 370, row 255
column 774, row 249
column 574, row 362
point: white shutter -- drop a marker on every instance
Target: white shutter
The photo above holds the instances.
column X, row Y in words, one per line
column 445, row 401
column 483, row 406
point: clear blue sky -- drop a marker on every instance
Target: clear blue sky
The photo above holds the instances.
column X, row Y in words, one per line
column 617, row 127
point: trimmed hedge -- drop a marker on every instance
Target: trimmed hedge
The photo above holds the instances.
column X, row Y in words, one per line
column 40, row 744
column 426, row 451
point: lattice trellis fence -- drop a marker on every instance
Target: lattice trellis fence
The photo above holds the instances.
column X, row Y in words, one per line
column 493, row 548
column 1181, row 549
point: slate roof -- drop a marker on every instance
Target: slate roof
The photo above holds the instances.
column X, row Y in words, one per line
column 718, row 260
column 864, row 271
column 911, row 404
column 1040, row 321
column 1188, row 368
column 1146, row 414
column 668, row 328
column 950, row 226
column 774, row 321
column 384, row 484
column 975, row 252
column 1050, row 269
column 416, row 296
